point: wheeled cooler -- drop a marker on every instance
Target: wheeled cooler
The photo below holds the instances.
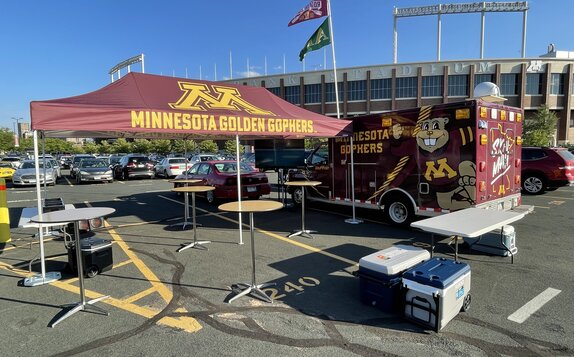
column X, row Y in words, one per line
column 380, row 275
column 97, row 255
column 435, row 291
column 498, row 242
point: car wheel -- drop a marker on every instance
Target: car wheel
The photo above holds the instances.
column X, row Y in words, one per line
column 78, row 180
column 466, row 303
column 165, row 174
column 398, row 211
column 297, row 195
column 210, row 197
column 92, row 271
column 125, row 176
column 533, row 184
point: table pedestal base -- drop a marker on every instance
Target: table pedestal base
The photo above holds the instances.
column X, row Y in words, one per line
column 254, row 290
column 302, row 233
column 87, row 306
column 198, row 245
column 37, row 280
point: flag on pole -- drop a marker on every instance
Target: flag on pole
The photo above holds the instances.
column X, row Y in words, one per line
column 314, row 10
column 319, row 38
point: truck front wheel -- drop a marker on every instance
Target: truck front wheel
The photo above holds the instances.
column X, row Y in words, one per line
column 398, row 211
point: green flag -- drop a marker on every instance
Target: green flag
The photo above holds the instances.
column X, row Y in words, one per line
column 320, row 38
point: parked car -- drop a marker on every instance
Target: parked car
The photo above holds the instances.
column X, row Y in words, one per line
column 171, row 166
column 194, row 159
column 114, row 160
column 13, row 160
column 93, row 170
column 546, row 168
column 6, row 170
column 57, row 167
column 75, row 161
column 65, row 161
column 223, row 176
column 26, row 173
column 134, row 165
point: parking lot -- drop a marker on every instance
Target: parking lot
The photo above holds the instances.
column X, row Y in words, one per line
column 166, row 303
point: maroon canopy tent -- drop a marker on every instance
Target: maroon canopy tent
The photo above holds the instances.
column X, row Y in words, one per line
column 149, row 106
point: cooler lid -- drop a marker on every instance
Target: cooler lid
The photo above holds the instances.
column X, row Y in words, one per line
column 437, row 272
column 93, row 243
column 394, row 260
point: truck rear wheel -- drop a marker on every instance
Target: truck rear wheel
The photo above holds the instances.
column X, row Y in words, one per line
column 297, row 195
column 398, row 211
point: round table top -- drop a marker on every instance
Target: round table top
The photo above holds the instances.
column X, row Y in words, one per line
column 302, row 183
column 184, row 180
column 72, row 215
column 190, row 189
column 251, row 206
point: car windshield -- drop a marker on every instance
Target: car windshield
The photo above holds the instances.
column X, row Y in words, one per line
column 93, row 163
column 177, row 161
column 30, row 165
column 4, row 164
column 231, row 167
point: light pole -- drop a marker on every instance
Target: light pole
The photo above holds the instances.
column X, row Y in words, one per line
column 16, row 131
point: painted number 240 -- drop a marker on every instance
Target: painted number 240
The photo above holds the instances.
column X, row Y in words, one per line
column 290, row 287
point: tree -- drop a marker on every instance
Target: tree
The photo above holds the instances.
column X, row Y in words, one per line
column 540, row 128
column 229, row 147
column 121, row 145
column 161, row 146
column 208, row 146
column 181, row 146
column 6, row 139
column 90, row 147
column 142, row 146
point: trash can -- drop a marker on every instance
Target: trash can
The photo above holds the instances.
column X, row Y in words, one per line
column 380, row 275
column 436, row 291
column 96, row 253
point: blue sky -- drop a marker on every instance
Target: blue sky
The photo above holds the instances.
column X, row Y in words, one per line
column 61, row 48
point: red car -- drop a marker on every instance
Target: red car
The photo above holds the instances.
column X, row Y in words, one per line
column 223, row 176
column 546, row 168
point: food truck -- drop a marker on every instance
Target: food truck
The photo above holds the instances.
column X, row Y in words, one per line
column 423, row 161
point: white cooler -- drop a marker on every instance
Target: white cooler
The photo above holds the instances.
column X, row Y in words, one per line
column 436, row 291
column 494, row 242
column 380, row 275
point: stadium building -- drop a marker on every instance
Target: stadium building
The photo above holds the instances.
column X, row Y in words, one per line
column 524, row 82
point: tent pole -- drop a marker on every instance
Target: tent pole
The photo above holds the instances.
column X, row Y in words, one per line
column 43, row 278
column 239, row 187
column 353, row 220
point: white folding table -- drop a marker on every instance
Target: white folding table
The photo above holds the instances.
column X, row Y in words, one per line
column 468, row 223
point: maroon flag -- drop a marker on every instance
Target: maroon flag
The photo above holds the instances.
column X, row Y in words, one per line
column 315, row 9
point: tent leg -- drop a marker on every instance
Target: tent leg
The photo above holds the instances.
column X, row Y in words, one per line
column 239, row 187
column 43, row 278
column 353, row 220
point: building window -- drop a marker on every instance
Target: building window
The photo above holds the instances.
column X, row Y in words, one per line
column 312, row 93
column 479, row 78
column 458, row 85
column 293, row 94
column 275, row 90
column 381, row 88
column 533, row 83
column 509, row 84
column 356, row 90
column 557, row 84
column 330, row 92
column 432, row 86
column 407, row 87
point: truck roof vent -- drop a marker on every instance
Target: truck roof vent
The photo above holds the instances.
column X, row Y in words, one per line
column 488, row 92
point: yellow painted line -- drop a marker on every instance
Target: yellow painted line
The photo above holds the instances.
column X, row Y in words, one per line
column 125, row 262
column 140, row 295
column 33, row 241
column 273, row 235
column 542, row 207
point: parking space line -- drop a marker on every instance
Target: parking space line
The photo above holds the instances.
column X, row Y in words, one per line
column 533, row 305
column 125, row 262
column 140, row 295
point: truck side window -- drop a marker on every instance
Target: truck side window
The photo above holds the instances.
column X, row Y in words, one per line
column 320, row 156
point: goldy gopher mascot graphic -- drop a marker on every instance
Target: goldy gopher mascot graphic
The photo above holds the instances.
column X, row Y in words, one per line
column 449, row 174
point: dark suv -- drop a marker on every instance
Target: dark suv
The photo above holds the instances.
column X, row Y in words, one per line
column 546, row 168
column 134, row 165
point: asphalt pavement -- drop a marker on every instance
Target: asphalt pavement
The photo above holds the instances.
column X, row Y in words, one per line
column 164, row 302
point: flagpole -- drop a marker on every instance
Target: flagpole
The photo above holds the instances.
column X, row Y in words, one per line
column 230, row 66
column 334, row 60
column 350, row 220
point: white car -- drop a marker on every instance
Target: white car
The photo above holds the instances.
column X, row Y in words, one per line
column 171, row 167
column 202, row 157
column 26, row 173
